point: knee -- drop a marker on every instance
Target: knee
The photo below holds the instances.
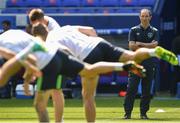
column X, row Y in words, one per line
column 88, row 97
column 39, row 107
column 141, row 54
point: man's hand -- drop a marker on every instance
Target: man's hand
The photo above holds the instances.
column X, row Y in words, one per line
column 30, row 68
column 140, row 44
column 31, row 72
column 28, row 78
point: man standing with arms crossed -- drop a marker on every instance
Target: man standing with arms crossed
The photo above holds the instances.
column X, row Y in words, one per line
column 142, row 35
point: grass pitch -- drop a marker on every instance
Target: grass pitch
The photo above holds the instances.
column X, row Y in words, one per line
column 109, row 110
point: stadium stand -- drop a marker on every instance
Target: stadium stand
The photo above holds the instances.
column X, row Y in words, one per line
column 146, row 3
column 32, row 3
column 15, row 3
column 90, row 3
column 109, row 3
column 129, row 3
column 77, row 4
column 12, row 20
column 52, row 3
column 71, row 3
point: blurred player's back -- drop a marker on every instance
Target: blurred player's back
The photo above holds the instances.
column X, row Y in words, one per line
column 79, row 43
column 15, row 40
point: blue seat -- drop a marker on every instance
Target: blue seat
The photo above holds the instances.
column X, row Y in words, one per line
column 109, row 3
column 15, row 3
column 33, row 3
column 5, row 92
column 121, row 80
column 70, row 20
column 71, row 3
column 52, row 3
column 68, row 11
column 90, row 3
column 146, row 2
column 129, row 2
column 125, row 10
column 106, row 79
column 52, row 10
column 86, row 10
column 105, row 11
column 74, row 82
column 98, row 22
column 121, row 77
column 14, row 10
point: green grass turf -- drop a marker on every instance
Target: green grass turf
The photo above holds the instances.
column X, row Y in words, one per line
column 109, row 110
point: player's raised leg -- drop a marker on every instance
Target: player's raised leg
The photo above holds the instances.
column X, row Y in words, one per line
column 142, row 54
column 166, row 55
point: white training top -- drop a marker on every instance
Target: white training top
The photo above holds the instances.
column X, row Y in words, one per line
column 17, row 40
column 43, row 58
column 52, row 23
column 80, row 44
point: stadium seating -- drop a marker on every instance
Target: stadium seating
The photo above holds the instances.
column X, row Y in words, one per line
column 106, row 79
column 14, row 10
column 32, row 3
column 71, row 3
column 79, row 3
column 74, row 82
column 146, row 3
column 78, row 6
column 126, row 10
column 90, row 3
column 5, row 92
column 15, row 3
column 105, row 11
column 129, row 2
column 53, row 10
column 121, row 77
column 87, row 10
column 12, row 19
column 112, row 31
column 52, row 3
column 109, row 3
column 67, row 11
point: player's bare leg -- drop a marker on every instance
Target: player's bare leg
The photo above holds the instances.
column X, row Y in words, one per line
column 88, row 91
column 144, row 53
column 58, row 102
column 40, row 104
column 10, row 68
